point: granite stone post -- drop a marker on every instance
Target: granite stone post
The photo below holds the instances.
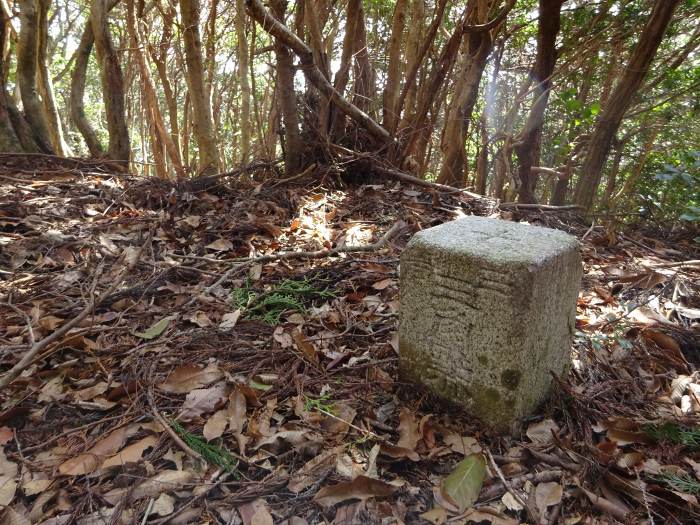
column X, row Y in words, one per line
column 487, row 314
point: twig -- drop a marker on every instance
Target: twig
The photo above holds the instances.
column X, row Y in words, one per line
column 148, row 511
column 72, row 431
column 166, row 426
column 215, row 480
column 27, row 319
column 295, row 177
column 37, row 347
column 508, row 487
column 588, row 232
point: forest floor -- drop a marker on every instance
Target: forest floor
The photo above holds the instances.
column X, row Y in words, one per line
column 171, row 378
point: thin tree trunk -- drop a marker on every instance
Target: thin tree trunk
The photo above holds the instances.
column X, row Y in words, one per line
column 245, row 121
column 614, row 172
column 81, row 58
column 611, row 116
column 527, row 147
column 10, row 141
column 482, row 160
column 46, row 85
column 293, row 145
column 27, row 60
column 391, row 91
column 112, row 84
column 160, row 60
column 202, row 122
column 363, row 86
column 459, row 113
column 160, row 137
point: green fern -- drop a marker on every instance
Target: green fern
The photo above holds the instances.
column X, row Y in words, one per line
column 682, row 483
column 212, row 454
column 674, row 433
column 286, row 296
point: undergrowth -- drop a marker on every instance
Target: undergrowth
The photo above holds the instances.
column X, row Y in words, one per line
column 676, row 434
column 682, row 483
column 286, row 296
column 213, row 454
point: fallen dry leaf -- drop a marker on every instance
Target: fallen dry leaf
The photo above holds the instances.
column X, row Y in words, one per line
column 190, row 377
column 89, row 461
column 408, row 430
column 541, row 433
column 203, row 401
column 216, row 425
column 362, row 488
column 547, row 495
column 132, row 453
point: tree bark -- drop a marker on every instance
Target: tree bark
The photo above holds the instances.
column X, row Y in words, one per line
column 527, row 147
column 9, row 137
column 293, row 145
column 313, row 74
column 27, row 60
column 81, row 58
column 202, row 122
column 622, row 96
column 46, row 90
column 160, row 137
column 119, row 148
column 459, row 113
column 391, row 91
column 245, row 122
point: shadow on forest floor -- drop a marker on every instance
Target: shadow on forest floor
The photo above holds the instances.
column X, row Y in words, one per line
column 282, row 377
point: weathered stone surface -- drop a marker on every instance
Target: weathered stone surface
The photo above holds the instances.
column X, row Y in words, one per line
column 487, row 311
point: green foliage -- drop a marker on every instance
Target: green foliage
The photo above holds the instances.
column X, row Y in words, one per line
column 322, row 404
column 674, row 433
column 679, row 181
column 268, row 306
column 682, row 483
column 213, row 454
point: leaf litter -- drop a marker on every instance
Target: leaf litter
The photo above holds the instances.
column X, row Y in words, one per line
column 281, row 374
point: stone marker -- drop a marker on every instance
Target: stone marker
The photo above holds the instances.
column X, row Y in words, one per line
column 487, row 311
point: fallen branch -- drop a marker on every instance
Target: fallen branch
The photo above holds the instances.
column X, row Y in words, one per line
column 405, row 177
column 543, row 207
column 680, row 264
column 37, row 347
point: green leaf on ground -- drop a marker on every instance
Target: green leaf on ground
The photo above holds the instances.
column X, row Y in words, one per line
column 462, row 487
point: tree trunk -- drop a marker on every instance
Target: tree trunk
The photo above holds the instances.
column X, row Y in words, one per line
column 160, row 60
column 459, row 113
column 342, row 76
column 611, row 116
column 391, row 91
column 363, row 74
column 9, row 137
column 160, row 137
column 46, row 85
column 293, row 145
column 202, row 122
column 81, row 57
column 245, row 122
column 112, row 84
column 527, row 147
column 27, row 60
